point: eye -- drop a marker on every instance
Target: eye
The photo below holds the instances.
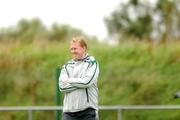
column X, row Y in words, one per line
column 72, row 49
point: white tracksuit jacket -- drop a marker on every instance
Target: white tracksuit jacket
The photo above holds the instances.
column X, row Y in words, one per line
column 78, row 82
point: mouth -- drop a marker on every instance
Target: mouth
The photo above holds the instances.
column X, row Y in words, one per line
column 74, row 55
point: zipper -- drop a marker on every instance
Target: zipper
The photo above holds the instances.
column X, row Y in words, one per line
column 87, row 95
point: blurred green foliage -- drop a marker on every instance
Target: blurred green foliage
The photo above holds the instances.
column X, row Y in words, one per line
column 34, row 30
column 145, row 20
column 134, row 73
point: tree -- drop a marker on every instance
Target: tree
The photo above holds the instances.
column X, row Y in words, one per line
column 28, row 30
column 130, row 19
column 141, row 19
column 63, row 32
column 34, row 29
column 169, row 12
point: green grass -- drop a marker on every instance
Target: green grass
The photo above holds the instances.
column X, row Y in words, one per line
column 130, row 74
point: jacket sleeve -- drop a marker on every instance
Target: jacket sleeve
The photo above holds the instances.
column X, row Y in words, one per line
column 64, row 85
column 88, row 78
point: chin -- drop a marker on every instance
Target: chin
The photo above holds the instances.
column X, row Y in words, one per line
column 75, row 57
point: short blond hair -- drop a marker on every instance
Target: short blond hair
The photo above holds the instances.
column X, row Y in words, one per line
column 80, row 40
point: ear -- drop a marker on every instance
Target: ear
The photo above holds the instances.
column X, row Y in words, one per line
column 85, row 49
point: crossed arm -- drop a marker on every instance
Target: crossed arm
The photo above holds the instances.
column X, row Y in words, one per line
column 68, row 84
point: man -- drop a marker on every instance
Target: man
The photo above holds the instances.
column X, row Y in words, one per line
column 78, row 82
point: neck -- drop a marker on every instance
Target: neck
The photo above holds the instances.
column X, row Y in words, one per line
column 82, row 57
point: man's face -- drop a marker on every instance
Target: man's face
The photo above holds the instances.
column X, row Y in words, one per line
column 77, row 51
